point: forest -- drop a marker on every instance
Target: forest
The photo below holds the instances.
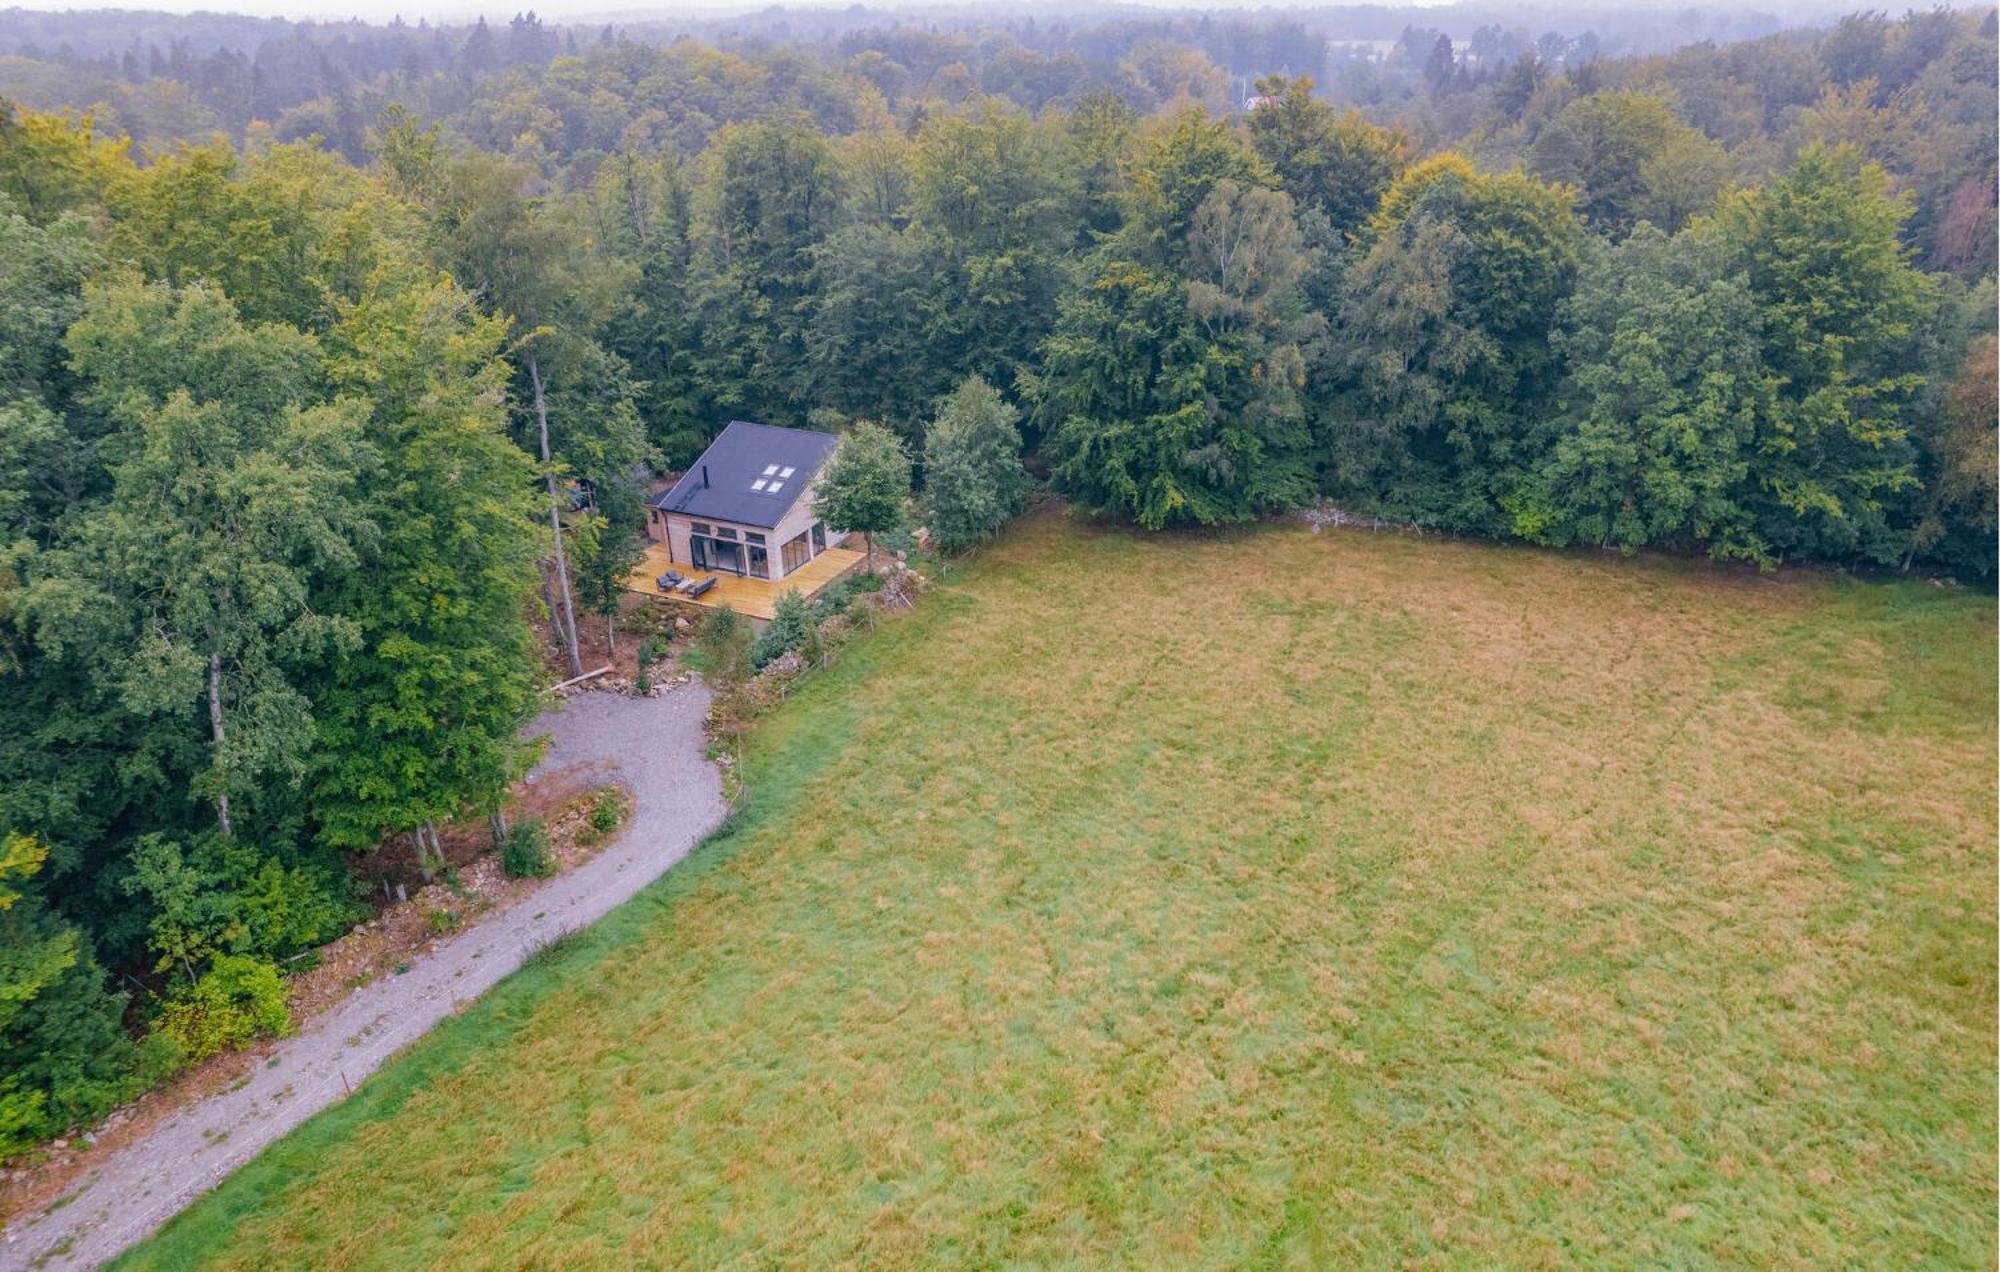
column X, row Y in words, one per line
column 305, row 345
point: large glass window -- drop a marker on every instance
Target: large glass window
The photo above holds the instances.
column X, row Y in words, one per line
column 819, row 538
column 796, row 553
column 713, row 553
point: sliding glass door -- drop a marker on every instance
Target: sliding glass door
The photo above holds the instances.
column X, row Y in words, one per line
column 720, row 548
column 795, row 553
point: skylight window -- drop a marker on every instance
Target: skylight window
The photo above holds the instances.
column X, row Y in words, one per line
column 770, row 469
column 776, row 486
column 758, row 484
column 786, row 472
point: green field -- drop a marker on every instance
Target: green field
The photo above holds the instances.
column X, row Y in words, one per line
column 1262, row 898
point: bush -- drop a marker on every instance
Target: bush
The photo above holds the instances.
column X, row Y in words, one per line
column 64, row 1055
column 525, row 854
column 642, row 684
column 722, row 646
column 901, row 539
column 791, row 619
column 237, row 999
column 210, row 893
column 651, row 650
column 604, row 814
column 839, row 598
column 444, row 921
column 606, row 811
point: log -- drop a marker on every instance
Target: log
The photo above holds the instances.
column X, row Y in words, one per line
column 577, row 680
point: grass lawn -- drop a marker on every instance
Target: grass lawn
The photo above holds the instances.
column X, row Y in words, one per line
column 1265, row 898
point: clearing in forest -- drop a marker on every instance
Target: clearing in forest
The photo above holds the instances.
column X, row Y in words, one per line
column 1261, row 896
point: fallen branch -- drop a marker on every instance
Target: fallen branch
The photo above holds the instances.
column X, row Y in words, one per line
column 577, row 680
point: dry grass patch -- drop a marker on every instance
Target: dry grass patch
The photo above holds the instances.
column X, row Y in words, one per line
column 1259, row 898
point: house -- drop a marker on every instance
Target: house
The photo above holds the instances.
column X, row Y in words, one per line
column 746, row 506
column 744, row 514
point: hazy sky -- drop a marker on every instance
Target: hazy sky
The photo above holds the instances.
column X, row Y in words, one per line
column 569, row 10
column 435, row 10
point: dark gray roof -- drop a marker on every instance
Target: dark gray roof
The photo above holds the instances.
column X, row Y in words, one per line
column 720, row 484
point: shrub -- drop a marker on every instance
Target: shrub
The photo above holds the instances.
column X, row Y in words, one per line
column 525, row 854
column 791, row 619
column 64, row 1056
column 237, row 999
column 812, row 648
column 443, row 921
column 901, row 539
column 651, row 650
column 642, row 684
column 604, row 814
column 212, row 894
column 606, row 811
column 722, row 646
column 839, row 598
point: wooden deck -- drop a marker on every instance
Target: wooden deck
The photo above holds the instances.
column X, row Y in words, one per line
column 754, row 598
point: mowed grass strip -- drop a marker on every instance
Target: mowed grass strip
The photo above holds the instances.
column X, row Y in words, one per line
column 1262, row 898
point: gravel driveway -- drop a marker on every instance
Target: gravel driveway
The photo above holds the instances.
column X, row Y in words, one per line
column 657, row 749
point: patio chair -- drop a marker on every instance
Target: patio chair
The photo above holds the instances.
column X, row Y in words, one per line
column 701, row 587
column 669, row 581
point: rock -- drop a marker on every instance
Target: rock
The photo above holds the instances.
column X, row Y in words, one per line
column 682, row 625
column 59, row 1145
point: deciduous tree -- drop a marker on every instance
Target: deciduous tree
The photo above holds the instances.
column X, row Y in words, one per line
column 422, row 714
column 973, row 480
column 1840, row 305
column 1341, row 165
column 866, row 485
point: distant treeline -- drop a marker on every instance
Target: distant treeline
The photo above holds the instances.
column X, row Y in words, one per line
column 159, row 77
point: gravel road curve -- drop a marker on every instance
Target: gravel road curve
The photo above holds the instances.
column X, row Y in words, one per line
column 656, row 749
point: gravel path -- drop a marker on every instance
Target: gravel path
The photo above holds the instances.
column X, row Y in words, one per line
column 657, row 749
